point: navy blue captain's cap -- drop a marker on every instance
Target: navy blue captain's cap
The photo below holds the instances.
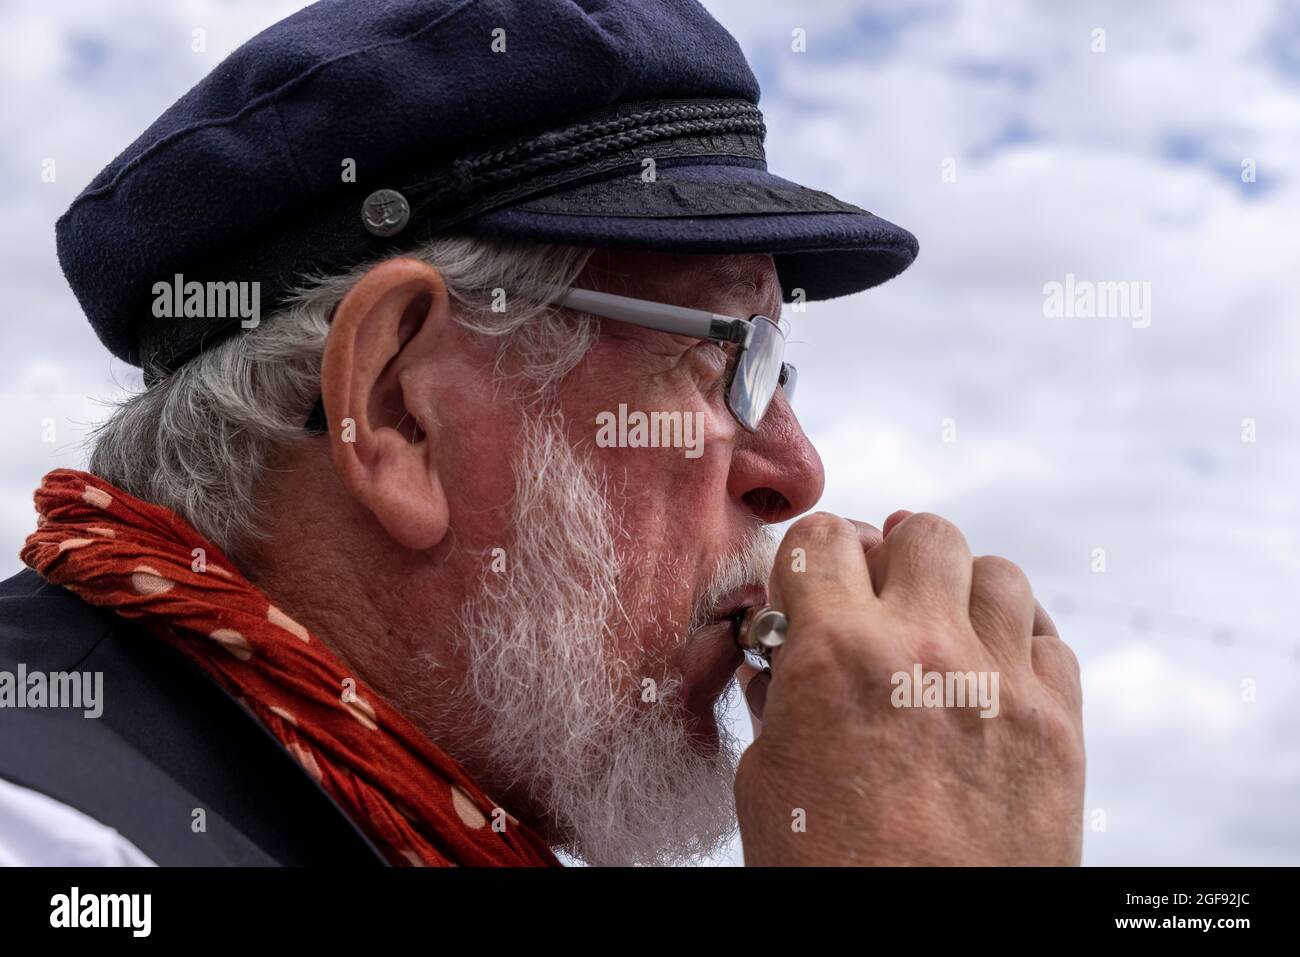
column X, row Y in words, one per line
column 356, row 128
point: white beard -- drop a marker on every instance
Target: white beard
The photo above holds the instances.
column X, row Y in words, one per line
column 545, row 707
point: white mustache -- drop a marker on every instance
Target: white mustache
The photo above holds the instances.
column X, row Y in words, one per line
column 749, row 564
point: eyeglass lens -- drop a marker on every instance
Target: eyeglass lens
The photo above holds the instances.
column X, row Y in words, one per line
column 758, row 373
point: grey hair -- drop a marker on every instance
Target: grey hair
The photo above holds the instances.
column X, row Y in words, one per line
column 200, row 440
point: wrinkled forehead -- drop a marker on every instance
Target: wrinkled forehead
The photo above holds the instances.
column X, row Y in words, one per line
column 686, row 279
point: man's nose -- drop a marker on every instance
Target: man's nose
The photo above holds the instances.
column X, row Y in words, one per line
column 775, row 472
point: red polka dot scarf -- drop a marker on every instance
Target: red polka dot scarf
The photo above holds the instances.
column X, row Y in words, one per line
column 415, row 803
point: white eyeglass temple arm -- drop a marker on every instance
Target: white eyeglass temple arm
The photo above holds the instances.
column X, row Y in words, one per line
column 656, row 315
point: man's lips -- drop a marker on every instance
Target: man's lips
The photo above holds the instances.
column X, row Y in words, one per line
column 733, row 605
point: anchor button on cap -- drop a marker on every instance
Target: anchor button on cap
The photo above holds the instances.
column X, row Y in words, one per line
column 385, row 212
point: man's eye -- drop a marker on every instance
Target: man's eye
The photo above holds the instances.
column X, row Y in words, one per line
column 789, row 379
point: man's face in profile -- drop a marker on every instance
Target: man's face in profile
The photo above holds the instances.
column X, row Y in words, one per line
column 573, row 644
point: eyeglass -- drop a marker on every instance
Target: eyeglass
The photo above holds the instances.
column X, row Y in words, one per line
column 752, row 379
column 759, row 366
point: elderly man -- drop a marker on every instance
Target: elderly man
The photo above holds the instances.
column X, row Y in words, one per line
column 431, row 539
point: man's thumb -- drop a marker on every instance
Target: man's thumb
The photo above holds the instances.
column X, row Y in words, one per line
column 753, row 685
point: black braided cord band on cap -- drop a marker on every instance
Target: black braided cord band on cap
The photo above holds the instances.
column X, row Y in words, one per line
column 600, row 143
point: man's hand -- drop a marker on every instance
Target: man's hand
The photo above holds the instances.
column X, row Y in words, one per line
column 840, row 775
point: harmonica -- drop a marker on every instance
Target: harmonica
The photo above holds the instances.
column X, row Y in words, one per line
column 760, row 630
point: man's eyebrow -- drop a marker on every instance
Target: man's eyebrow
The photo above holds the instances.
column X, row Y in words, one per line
column 731, row 275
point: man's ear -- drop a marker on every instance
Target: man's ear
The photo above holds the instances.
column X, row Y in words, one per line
column 380, row 436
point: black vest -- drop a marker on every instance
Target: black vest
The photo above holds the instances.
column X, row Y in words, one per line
column 169, row 741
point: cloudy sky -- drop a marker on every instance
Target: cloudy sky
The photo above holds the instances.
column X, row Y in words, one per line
column 1139, row 466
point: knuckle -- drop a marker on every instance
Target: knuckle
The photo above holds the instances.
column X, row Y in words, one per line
column 1070, row 659
column 1000, row 584
column 934, row 530
column 819, row 526
column 1060, row 657
column 998, row 573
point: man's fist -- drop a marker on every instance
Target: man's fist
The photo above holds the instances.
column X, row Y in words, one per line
column 980, row 761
